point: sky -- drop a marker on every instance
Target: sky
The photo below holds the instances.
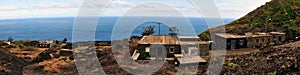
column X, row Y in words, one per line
column 69, row 8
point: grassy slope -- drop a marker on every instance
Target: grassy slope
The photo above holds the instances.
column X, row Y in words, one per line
column 282, row 12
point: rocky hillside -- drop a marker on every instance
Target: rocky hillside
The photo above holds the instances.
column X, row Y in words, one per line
column 276, row 60
column 10, row 64
column 277, row 15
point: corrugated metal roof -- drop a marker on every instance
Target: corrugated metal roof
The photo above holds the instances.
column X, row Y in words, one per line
column 159, row 39
column 196, row 37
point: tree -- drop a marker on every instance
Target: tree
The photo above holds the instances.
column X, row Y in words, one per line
column 205, row 37
column 10, row 39
column 173, row 31
column 1, row 43
column 148, row 31
column 64, row 40
column 291, row 33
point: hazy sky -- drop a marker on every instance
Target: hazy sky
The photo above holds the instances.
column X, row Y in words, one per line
column 63, row 8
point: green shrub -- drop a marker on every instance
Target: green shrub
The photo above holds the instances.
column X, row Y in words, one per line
column 230, row 64
column 246, row 64
column 143, row 55
column 280, row 58
column 272, row 73
column 272, row 43
column 11, row 46
column 254, row 56
column 176, row 68
column 21, row 46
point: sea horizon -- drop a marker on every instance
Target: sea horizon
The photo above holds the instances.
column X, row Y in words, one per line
column 57, row 28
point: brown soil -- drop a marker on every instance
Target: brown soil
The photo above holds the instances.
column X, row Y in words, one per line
column 283, row 59
column 60, row 66
column 10, row 64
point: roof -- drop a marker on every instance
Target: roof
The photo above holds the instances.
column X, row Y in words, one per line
column 191, row 37
column 203, row 42
column 190, row 59
column 230, row 35
column 243, row 36
column 159, row 39
column 188, row 42
column 280, row 33
column 261, row 35
column 44, row 43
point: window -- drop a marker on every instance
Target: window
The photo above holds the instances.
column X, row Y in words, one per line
column 147, row 49
column 242, row 42
column 171, row 49
column 257, row 40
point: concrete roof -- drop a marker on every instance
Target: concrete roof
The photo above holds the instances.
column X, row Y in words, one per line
column 188, row 37
column 230, row 35
column 277, row 33
column 266, row 35
column 190, row 59
column 203, row 42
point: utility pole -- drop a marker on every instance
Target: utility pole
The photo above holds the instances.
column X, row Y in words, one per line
column 159, row 27
column 267, row 24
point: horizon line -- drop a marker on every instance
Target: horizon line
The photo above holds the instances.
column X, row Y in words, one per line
column 100, row 17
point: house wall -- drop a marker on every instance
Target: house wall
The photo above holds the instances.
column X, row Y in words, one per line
column 177, row 49
column 279, row 38
column 254, row 42
column 204, row 49
column 238, row 43
column 44, row 45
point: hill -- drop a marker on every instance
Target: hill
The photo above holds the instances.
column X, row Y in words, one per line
column 276, row 15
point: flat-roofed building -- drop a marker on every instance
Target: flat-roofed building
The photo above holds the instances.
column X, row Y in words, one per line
column 251, row 40
column 175, row 47
column 234, row 41
column 258, row 39
column 278, row 37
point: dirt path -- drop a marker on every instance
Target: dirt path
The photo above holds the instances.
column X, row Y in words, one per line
column 293, row 44
column 236, row 51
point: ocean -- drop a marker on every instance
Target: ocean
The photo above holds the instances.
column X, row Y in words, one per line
column 57, row 28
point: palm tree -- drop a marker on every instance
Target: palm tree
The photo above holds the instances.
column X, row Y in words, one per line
column 174, row 31
column 10, row 39
column 205, row 37
column 148, row 31
column 64, row 40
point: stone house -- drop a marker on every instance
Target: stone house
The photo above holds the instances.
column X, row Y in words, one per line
column 152, row 43
column 278, row 37
column 45, row 44
column 234, row 41
column 258, row 40
column 174, row 47
column 251, row 40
